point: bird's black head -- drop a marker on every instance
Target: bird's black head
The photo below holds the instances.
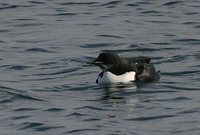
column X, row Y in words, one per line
column 106, row 60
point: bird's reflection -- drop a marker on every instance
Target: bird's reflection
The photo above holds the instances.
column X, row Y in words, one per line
column 119, row 93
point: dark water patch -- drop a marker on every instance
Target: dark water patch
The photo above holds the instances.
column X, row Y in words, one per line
column 25, row 19
column 41, row 50
column 191, row 13
column 150, row 12
column 18, row 67
column 66, row 14
column 184, row 131
column 17, row 95
column 114, row 96
column 111, row 3
column 196, row 110
column 45, row 128
column 197, row 26
column 87, row 13
column 159, row 22
column 20, row 117
column 48, row 63
column 38, row 126
column 189, row 40
column 140, row 9
column 4, row 30
column 79, row 3
column 76, row 114
column 61, row 88
column 4, row 66
column 28, row 125
column 37, row 2
column 92, row 119
column 9, row 7
column 172, row 3
column 25, row 109
column 28, row 24
column 91, row 108
column 7, row 100
column 190, row 23
column 109, row 36
column 151, row 118
column 28, row 97
column 177, row 58
column 161, row 43
column 180, row 99
column 54, row 109
column 89, row 24
column 79, row 131
column 31, row 41
column 170, row 35
column 1, row 41
column 132, row 5
column 6, row 89
column 170, row 48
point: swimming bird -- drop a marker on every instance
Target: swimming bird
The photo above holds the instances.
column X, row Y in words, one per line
column 116, row 69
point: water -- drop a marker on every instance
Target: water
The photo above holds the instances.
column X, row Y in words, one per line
column 46, row 87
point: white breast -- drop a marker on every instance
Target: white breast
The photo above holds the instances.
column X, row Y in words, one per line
column 108, row 78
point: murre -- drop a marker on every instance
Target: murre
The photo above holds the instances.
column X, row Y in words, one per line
column 116, row 69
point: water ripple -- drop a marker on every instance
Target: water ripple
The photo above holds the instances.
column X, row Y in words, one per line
column 66, row 14
column 78, row 131
column 112, row 3
column 151, row 118
column 18, row 67
column 65, row 71
column 91, row 108
column 97, row 45
column 110, row 36
column 172, row 3
column 8, row 7
column 36, row 2
column 54, row 109
column 17, row 94
column 39, row 50
column 79, row 3
column 31, row 125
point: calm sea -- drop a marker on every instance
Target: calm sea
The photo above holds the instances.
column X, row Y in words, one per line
column 47, row 88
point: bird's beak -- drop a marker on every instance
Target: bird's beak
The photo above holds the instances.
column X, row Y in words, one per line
column 95, row 62
column 100, row 64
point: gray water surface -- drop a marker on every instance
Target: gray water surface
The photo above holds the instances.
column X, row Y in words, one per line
column 46, row 87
